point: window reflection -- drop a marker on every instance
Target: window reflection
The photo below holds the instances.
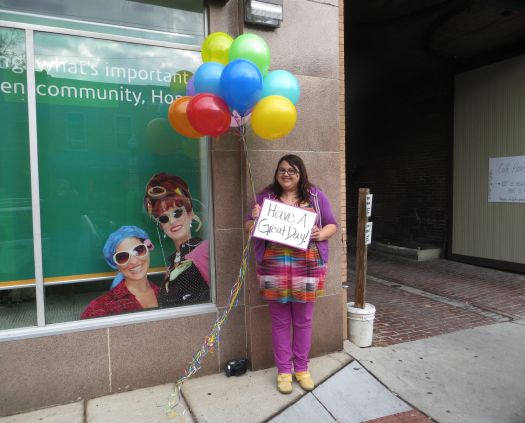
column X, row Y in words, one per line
column 181, row 21
column 102, row 133
column 17, row 295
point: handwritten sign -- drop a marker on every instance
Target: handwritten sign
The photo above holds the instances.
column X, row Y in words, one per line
column 369, row 205
column 368, row 233
column 285, row 224
column 507, row 179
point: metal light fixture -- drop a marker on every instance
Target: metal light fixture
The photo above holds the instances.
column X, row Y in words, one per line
column 264, row 12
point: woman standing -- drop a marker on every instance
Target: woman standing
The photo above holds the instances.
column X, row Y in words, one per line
column 168, row 201
column 291, row 279
column 126, row 249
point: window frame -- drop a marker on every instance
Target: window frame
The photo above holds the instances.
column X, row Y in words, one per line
column 43, row 329
column 95, row 25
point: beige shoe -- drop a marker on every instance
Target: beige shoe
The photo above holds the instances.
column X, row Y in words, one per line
column 284, row 383
column 305, row 380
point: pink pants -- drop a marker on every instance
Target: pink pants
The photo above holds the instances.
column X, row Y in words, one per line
column 299, row 317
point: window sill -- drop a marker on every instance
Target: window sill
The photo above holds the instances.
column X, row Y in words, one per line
column 106, row 322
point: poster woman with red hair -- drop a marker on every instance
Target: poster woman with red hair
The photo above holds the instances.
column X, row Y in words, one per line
column 168, row 201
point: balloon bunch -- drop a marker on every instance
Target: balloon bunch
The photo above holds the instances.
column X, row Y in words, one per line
column 231, row 87
column 234, row 85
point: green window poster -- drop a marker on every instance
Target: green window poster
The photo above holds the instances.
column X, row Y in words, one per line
column 99, row 112
column 102, row 133
column 17, row 267
column 16, row 232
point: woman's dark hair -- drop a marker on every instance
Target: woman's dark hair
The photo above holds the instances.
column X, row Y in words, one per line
column 304, row 184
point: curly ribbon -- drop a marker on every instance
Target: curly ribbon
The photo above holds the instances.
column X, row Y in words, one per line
column 212, row 340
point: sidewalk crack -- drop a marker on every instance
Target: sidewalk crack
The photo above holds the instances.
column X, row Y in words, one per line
column 324, row 406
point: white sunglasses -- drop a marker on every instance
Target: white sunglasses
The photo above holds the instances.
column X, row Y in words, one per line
column 123, row 257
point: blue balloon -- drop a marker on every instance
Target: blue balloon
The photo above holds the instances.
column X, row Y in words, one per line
column 283, row 83
column 241, row 85
column 207, row 78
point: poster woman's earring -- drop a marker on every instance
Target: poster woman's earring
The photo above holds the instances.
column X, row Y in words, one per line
column 199, row 222
column 164, row 236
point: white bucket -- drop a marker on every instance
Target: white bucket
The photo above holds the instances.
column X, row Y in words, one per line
column 360, row 324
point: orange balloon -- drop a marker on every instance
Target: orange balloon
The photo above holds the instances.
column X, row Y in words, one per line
column 179, row 119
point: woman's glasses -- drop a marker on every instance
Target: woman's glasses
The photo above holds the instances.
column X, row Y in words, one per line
column 291, row 172
column 165, row 218
column 122, row 257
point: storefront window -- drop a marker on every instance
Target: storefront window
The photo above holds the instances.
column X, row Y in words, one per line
column 102, row 133
column 17, row 270
column 181, row 21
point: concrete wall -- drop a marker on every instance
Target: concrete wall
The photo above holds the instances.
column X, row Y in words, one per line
column 307, row 45
column 60, row 369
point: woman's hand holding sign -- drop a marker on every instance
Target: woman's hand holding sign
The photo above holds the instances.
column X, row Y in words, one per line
column 322, row 234
column 256, row 211
column 316, row 234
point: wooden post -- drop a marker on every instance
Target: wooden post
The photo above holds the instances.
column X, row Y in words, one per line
column 361, row 250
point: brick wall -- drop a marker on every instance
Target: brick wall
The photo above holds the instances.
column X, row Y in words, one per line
column 399, row 145
column 342, row 136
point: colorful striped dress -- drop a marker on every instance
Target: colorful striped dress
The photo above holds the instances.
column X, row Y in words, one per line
column 290, row 274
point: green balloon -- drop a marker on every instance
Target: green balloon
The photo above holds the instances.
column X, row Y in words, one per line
column 251, row 47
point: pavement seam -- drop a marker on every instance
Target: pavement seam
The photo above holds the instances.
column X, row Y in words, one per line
column 322, row 405
column 496, row 316
column 341, row 361
column 184, row 403
column 323, row 381
column 305, row 393
column 519, row 322
column 430, row 419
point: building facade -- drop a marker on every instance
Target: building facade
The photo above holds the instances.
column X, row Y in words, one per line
column 84, row 94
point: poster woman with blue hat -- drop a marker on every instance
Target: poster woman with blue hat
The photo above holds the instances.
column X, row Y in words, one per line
column 127, row 250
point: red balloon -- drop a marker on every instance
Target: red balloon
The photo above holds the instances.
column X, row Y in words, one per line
column 209, row 114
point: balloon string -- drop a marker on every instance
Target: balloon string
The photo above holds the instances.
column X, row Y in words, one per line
column 242, row 134
column 212, row 340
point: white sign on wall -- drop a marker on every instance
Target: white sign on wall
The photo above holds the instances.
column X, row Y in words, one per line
column 285, row 224
column 507, row 179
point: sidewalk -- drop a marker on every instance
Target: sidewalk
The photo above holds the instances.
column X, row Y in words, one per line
column 345, row 392
column 448, row 341
column 470, row 376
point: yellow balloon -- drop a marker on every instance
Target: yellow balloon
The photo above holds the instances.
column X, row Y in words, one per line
column 273, row 117
column 215, row 48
